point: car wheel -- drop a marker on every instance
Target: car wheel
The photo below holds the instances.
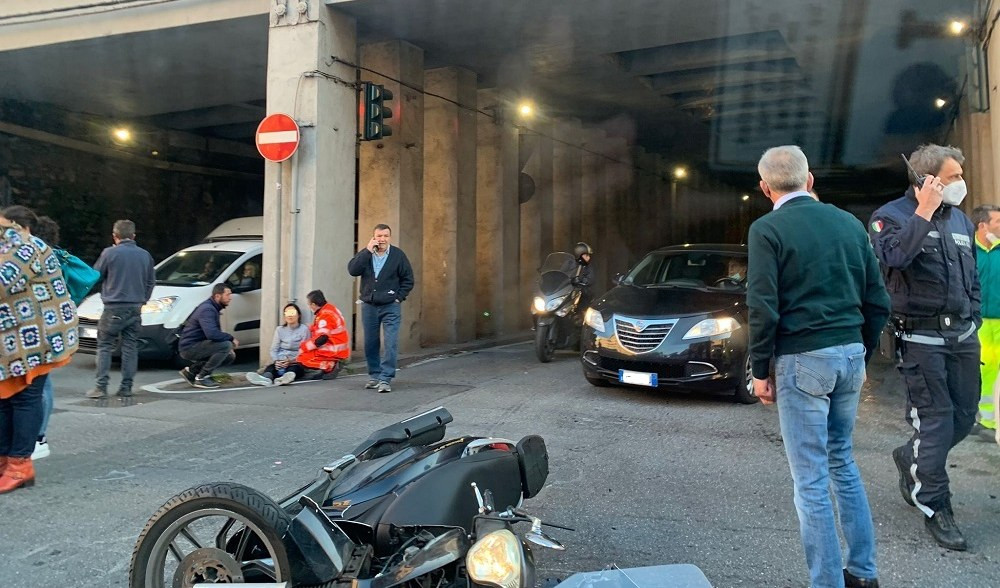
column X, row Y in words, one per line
column 744, row 388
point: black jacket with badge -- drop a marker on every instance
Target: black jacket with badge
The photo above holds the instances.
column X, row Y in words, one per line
column 394, row 281
column 929, row 266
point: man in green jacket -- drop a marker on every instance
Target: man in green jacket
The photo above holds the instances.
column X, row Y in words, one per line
column 987, row 221
column 817, row 305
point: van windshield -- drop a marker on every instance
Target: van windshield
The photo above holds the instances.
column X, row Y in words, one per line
column 194, row 268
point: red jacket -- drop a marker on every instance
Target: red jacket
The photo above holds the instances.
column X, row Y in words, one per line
column 328, row 322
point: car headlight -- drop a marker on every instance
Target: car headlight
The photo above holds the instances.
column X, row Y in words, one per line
column 159, row 305
column 539, row 304
column 712, row 327
column 495, row 560
column 593, row 319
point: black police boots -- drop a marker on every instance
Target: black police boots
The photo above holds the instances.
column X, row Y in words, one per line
column 852, row 581
column 944, row 530
column 903, row 467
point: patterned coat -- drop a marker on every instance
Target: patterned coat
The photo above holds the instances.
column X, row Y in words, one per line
column 38, row 322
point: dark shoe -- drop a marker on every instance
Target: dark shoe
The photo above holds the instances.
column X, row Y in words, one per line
column 944, row 530
column 852, row 581
column 384, row 387
column 187, row 375
column 371, row 385
column 125, row 393
column 205, row 382
column 905, row 487
column 981, row 433
column 97, row 393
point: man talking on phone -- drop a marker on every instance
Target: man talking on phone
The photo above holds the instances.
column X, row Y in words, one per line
column 386, row 280
column 925, row 246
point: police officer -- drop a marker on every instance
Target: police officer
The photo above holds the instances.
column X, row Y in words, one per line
column 925, row 246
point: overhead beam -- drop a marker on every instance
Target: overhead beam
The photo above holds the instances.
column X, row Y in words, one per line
column 668, row 60
column 715, row 79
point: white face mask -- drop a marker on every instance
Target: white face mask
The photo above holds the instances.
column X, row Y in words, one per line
column 993, row 239
column 954, row 193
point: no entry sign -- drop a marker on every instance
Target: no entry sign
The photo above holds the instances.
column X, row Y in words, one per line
column 277, row 137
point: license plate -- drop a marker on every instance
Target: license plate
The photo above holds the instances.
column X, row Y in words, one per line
column 88, row 333
column 637, row 378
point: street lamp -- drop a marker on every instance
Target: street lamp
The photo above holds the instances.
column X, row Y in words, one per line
column 940, row 103
column 956, row 28
column 526, row 109
column 122, row 134
column 745, row 197
column 680, row 172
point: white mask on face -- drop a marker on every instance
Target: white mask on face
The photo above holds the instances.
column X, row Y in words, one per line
column 954, row 193
column 993, row 239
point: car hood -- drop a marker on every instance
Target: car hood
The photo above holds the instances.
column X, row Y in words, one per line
column 650, row 302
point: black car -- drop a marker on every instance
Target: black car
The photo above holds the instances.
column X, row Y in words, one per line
column 678, row 320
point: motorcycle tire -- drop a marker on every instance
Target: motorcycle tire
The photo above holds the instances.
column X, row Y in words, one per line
column 545, row 347
column 244, row 505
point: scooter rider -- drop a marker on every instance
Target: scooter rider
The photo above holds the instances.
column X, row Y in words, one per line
column 584, row 278
column 925, row 246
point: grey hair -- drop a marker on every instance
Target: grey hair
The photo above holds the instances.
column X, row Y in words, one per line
column 928, row 159
column 784, row 168
column 981, row 214
column 124, row 229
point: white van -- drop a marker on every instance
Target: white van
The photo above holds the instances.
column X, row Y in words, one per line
column 232, row 253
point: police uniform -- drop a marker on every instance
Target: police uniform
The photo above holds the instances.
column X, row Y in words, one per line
column 930, row 273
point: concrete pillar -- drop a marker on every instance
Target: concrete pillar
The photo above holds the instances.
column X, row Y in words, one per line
column 449, row 206
column 543, row 170
column 391, row 176
column 309, row 199
column 664, row 236
column 619, row 178
column 530, row 223
column 566, row 209
column 593, row 204
column 498, row 303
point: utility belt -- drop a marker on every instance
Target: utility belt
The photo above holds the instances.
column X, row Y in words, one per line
column 905, row 325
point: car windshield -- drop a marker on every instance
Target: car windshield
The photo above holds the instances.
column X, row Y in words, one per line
column 194, row 268
column 690, row 269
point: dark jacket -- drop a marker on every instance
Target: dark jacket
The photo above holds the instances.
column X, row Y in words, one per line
column 584, row 279
column 808, row 289
column 126, row 273
column 203, row 325
column 394, row 282
column 929, row 266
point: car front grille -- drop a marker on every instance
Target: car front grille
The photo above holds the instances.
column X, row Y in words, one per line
column 87, row 343
column 642, row 336
column 664, row 370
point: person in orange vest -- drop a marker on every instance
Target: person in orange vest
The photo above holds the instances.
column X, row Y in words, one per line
column 328, row 343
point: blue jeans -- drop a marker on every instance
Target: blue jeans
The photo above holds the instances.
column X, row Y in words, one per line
column 20, row 418
column 817, row 397
column 384, row 317
column 48, row 400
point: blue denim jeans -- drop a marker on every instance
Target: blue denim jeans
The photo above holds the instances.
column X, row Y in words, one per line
column 48, row 400
column 381, row 357
column 817, row 397
column 20, row 418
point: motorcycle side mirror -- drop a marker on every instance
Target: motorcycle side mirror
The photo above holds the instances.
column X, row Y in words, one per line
column 488, row 501
column 540, row 538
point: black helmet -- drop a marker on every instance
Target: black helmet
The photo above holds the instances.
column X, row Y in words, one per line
column 582, row 248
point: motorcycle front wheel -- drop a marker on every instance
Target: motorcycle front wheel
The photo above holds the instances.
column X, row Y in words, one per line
column 545, row 344
column 215, row 533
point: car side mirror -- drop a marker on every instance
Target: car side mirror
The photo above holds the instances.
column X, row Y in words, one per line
column 618, row 279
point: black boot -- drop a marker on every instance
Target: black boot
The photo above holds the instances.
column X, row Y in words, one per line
column 944, row 530
column 852, row 581
column 903, row 467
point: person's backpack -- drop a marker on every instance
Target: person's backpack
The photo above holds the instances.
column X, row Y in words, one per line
column 80, row 277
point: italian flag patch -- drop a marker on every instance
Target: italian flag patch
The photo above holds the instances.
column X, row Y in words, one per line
column 877, row 226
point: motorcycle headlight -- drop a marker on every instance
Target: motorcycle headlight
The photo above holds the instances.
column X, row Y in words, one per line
column 555, row 303
column 593, row 319
column 713, row 327
column 495, row 560
column 159, row 305
column 539, row 304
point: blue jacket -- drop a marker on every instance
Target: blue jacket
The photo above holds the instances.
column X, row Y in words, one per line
column 929, row 266
column 203, row 325
column 127, row 274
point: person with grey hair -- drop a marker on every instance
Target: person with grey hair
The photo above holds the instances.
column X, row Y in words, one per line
column 127, row 280
column 819, row 357
column 925, row 246
column 986, row 219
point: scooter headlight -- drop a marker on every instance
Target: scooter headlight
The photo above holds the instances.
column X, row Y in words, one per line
column 539, row 304
column 495, row 560
column 555, row 303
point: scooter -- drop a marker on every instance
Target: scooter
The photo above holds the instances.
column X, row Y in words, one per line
column 556, row 306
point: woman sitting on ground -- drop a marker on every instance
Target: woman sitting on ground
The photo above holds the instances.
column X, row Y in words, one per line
column 284, row 349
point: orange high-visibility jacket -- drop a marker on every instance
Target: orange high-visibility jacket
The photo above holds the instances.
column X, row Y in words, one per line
column 328, row 322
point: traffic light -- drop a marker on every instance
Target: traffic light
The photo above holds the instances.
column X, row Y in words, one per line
column 376, row 112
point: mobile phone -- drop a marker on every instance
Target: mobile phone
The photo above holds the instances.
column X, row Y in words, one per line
column 917, row 181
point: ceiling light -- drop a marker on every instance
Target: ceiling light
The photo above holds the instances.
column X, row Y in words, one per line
column 526, row 109
column 680, row 172
column 940, row 103
column 745, row 197
column 122, row 134
column 956, row 27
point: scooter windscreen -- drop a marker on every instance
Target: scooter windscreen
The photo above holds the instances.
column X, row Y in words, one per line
column 556, row 273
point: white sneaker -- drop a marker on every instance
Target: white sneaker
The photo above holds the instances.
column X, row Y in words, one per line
column 41, row 450
column 285, row 378
column 258, row 380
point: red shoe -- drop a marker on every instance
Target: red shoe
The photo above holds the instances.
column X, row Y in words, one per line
column 3, row 464
column 20, row 472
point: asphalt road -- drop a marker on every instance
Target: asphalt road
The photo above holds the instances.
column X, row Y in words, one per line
column 645, row 477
